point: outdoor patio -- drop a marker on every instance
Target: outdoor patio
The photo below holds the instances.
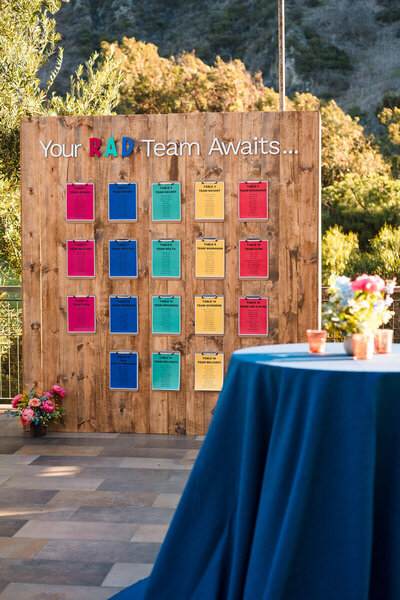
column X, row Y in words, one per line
column 83, row 515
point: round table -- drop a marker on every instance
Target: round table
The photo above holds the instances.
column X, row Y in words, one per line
column 295, row 494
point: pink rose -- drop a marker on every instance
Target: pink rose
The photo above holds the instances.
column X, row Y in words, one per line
column 368, row 283
column 48, row 395
column 48, row 406
column 27, row 416
column 34, row 402
column 15, row 400
column 56, row 389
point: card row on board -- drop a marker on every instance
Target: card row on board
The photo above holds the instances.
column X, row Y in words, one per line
column 166, row 371
column 166, row 315
column 166, row 201
column 166, row 258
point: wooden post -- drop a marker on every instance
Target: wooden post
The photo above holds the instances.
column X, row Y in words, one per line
column 281, row 28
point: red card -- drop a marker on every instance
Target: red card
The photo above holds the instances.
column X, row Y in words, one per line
column 80, row 258
column 253, row 259
column 80, row 202
column 253, row 200
column 81, row 315
column 253, row 315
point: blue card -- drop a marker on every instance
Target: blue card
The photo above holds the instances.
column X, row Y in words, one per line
column 124, row 314
column 123, row 258
column 122, row 202
column 123, row 371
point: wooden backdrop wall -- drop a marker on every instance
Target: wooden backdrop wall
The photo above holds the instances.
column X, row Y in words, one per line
column 80, row 362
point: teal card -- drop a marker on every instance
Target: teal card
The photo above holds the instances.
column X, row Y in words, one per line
column 166, row 371
column 166, row 202
column 166, row 315
column 166, row 258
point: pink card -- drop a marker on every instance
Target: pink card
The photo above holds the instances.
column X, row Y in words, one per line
column 80, row 258
column 81, row 314
column 253, row 315
column 253, row 258
column 80, row 202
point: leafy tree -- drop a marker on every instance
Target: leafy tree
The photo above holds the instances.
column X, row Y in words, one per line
column 28, row 40
column 385, row 252
column 338, row 251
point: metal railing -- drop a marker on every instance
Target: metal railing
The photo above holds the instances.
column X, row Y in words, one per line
column 10, row 342
column 11, row 337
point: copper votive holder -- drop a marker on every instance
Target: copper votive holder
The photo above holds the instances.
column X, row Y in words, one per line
column 316, row 340
column 363, row 346
column 383, row 341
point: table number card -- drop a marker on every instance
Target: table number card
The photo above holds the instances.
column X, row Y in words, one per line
column 81, row 314
column 80, row 258
column 166, row 371
column 124, row 314
column 253, row 200
column 166, row 201
column 209, row 201
column 166, row 315
column 209, row 315
column 122, row 202
column 123, row 259
column 208, row 371
column 253, row 259
column 80, row 202
column 210, row 258
column 124, row 370
column 253, row 316
column 166, row 258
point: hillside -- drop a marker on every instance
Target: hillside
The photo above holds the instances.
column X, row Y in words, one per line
column 343, row 50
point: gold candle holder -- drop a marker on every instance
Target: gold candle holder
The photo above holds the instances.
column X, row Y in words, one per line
column 316, row 340
column 383, row 341
column 363, row 346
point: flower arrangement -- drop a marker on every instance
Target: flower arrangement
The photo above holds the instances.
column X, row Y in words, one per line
column 38, row 408
column 359, row 306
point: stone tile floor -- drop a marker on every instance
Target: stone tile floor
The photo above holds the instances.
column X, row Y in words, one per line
column 83, row 516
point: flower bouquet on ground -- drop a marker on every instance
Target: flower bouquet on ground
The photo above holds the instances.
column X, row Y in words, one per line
column 359, row 306
column 38, row 409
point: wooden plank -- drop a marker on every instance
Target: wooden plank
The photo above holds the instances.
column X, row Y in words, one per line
column 31, row 234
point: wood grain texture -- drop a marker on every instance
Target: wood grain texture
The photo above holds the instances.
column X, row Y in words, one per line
column 81, row 362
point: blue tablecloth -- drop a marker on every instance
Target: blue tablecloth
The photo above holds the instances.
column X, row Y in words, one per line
column 295, row 494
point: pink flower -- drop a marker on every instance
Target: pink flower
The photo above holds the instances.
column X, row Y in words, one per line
column 34, row 402
column 48, row 395
column 48, row 406
column 56, row 389
column 15, row 400
column 27, row 416
column 368, row 283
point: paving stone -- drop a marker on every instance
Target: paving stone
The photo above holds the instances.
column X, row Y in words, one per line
column 168, row 442
column 17, row 459
column 10, row 526
column 191, row 454
column 132, row 451
column 167, row 501
column 150, row 533
column 20, row 548
column 100, row 551
column 42, row 470
column 200, row 438
column 77, row 461
column 4, row 478
column 102, row 498
column 124, row 514
column 29, row 591
column 38, row 512
column 61, row 450
column 128, row 485
column 154, row 463
column 53, row 483
column 133, row 474
column 125, row 574
column 12, row 497
column 11, row 445
column 66, row 572
column 80, row 436
column 76, row 530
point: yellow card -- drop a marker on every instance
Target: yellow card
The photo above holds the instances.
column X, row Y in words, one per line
column 209, row 201
column 208, row 371
column 209, row 315
column 210, row 258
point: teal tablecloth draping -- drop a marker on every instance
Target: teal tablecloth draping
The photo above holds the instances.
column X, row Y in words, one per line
column 295, row 494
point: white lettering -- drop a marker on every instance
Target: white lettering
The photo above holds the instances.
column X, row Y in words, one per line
column 172, row 149
column 230, row 147
column 52, row 150
column 148, row 142
column 64, row 153
column 76, row 149
column 160, row 146
column 45, row 148
column 274, row 145
column 246, row 148
column 263, row 143
column 218, row 148
column 196, row 144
